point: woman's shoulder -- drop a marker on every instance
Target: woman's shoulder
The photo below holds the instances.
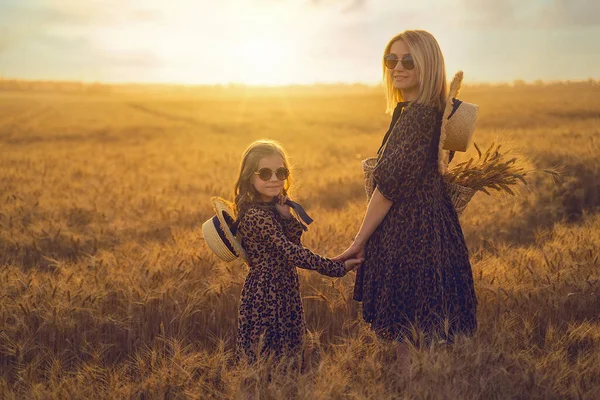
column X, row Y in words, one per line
column 422, row 111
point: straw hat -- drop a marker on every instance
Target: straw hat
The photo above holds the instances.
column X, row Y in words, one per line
column 458, row 124
column 219, row 232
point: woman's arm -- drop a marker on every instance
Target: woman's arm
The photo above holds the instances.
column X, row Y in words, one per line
column 376, row 211
column 399, row 170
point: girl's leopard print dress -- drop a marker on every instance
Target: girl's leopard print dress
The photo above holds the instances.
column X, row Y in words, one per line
column 271, row 317
column 416, row 272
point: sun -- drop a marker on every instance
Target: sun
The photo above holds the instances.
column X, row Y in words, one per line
column 265, row 60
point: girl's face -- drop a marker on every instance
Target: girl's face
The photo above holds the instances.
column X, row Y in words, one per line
column 274, row 186
column 404, row 79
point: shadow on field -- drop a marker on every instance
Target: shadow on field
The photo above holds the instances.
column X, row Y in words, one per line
column 568, row 201
column 198, row 122
column 76, row 240
column 338, row 196
column 575, row 114
column 44, row 252
column 100, row 136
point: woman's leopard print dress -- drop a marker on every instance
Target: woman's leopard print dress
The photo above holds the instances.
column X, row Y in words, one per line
column 416, row 272
column 271, row 317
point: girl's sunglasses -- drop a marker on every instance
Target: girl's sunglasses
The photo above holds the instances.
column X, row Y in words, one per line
column 265, row 174
column 391, row 60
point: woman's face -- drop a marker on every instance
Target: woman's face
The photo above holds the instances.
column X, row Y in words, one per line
column 274, row 186
column 405, row 80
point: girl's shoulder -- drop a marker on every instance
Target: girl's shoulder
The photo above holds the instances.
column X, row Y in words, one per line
column 254, row 210
column 256, row 213
column 256, row 222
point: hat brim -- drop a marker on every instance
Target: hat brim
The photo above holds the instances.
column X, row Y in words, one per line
column 464, row 112
column 220, row 206
column 452, row 92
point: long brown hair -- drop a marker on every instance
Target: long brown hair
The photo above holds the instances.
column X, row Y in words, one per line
column 244, row 192
column 430, row 66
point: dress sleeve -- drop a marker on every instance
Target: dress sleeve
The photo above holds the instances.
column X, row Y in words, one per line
column 267, row 230
column 400, row 167
column 293, row 229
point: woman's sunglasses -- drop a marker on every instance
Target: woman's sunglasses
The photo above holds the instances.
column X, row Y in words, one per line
column 391, row 60
column 265, row 174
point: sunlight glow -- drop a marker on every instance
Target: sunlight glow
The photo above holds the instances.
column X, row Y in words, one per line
column 264, row 60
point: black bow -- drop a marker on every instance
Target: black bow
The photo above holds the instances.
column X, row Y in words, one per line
column 300, row 211
column 233, row 225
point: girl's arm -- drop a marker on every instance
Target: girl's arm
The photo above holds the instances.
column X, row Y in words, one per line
column 292, row 229
column 261, row 226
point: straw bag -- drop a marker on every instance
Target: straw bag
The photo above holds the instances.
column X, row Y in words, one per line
column 460, row 195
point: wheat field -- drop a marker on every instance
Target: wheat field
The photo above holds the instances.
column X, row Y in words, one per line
column 107, row 290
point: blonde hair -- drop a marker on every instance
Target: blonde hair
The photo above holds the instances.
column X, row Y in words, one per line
column 430, row 67
column 244, row 192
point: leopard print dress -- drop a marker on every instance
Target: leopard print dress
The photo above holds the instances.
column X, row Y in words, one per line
column 271, row 317
column 416, row 272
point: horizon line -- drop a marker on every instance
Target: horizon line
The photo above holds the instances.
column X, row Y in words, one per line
column 279, row 85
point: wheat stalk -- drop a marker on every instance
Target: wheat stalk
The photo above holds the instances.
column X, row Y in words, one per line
column 493, row 169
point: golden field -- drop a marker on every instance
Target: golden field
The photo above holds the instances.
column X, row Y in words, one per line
column 107, row 290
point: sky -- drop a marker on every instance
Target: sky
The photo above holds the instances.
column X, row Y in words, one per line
column 274, row 42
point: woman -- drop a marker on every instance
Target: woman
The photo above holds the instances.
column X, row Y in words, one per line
column 416, row 276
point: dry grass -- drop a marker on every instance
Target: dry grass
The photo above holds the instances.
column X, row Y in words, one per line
column 108, row 291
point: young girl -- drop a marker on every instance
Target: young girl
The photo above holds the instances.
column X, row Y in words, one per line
column 271, row 318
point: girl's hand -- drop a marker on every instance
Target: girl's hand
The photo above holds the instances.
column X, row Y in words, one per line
column 282, row 208
column 353, row 263
column 356, row 250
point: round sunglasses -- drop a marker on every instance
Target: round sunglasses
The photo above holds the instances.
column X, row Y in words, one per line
column 391, row 60
column 265, row 174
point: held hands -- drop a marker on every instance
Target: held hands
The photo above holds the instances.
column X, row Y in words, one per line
column 353, row 263
column 355, row 251
column 352, row 257
column 282, row 208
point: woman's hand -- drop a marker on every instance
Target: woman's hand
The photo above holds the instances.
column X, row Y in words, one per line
column 282, row 208
column 353, row 263
column 356, row 250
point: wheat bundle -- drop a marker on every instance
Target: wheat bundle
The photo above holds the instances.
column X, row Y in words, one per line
column 493, row 169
